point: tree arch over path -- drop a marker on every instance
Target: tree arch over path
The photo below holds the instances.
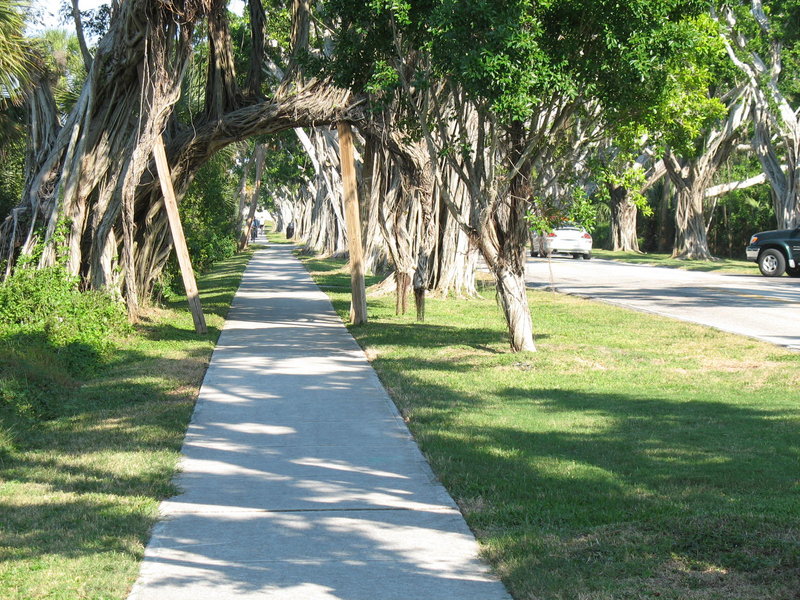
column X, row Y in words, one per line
column 94, row 174
column 92, row 177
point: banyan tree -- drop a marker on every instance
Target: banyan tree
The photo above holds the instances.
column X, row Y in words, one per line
column 92, row 177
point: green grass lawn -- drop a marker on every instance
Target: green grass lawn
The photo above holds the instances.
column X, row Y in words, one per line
column 721, row 265
column 630, row 457
column 80, row 492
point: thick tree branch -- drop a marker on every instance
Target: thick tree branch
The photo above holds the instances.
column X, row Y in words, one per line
column 724, row 188
column 222, row 91
column 76, row 16
column 258, row 22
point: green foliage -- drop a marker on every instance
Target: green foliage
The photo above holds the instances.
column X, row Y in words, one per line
column 51, row 334
column 364, row 41
column 510, row 55
column 49, row 301
column 691, row 98
column 30, row 296
column 497, row 51
column 549, row 213
column 384, row 78
column 286, row 163
column 208, row 212
column 17, row 62
column 12, row 174
column 95, row 21
column 621, row 172
column 61, row 58
column 581, row 210
column 279, row 21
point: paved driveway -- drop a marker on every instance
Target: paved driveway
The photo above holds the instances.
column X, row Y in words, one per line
column 750, row 305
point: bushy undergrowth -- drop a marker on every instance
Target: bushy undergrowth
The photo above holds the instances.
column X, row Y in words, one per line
column 212, row 247
column 52, row 336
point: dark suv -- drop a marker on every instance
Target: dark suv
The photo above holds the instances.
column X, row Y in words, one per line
column 776, row 252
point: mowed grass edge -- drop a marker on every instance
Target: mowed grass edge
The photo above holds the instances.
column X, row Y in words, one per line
column 719, row 265
column 630, row 457
column 79, row 493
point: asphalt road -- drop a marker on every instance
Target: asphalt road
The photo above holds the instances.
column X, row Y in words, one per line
column 760, row 307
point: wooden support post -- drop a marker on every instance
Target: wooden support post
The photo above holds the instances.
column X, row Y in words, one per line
column 358, row 306
column 178, row 238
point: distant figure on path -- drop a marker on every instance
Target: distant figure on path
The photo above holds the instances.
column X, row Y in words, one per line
column 254, row 229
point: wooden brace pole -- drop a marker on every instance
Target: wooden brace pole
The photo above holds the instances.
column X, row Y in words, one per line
column 178, row 239
column 358, row 307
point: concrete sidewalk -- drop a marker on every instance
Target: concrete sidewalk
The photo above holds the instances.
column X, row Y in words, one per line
column 300, row 480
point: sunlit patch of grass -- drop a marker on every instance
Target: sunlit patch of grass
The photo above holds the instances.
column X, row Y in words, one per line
column 719, row 265
column 79, row 492
column 630, row 457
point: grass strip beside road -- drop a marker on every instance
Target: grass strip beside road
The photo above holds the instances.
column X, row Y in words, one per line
column 631, row 457
column 79, row 493
column 720, row 265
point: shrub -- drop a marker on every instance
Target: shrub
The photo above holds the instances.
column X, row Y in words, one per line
column 52, row 334
column 30, row 296
column 84, row 331
column 207, row 247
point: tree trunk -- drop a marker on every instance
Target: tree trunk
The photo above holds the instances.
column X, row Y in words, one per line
column 222, row 92
column 693, row 176
column 664, row 223
column 255, row 74
column 395, row 216
column 497, row 224
column 241, row 192
column 777, row 122
column 403, row 287
column 402, row 220
column 623, row 221
column 377, row 259
column 418, row 178
column 508, row 268
column 456, row 255
column 513, row 295
column 503, row 245
column 783, row 173
column 323, row 228
column 691, row 241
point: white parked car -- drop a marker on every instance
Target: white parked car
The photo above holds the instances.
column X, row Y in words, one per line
column 566, row 239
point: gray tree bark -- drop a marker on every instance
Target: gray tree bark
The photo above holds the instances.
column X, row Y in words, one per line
column 691, row 177
column 776, row 138
column 623, row 221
